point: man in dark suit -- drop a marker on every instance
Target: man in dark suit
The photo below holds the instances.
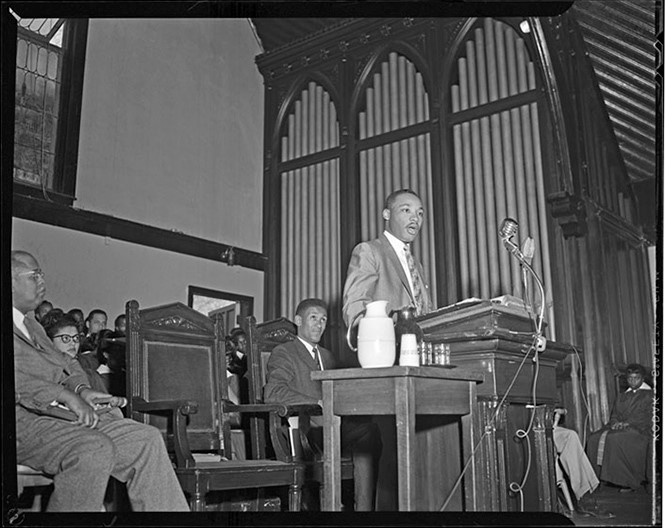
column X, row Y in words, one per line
column 384, row 268
column 289, row 382
column 82, row 445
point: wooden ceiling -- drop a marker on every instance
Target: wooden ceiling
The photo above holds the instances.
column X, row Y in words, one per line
column 620, row 37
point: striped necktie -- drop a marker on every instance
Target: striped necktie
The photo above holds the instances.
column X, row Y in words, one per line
column 317, row 356
column 415, row 280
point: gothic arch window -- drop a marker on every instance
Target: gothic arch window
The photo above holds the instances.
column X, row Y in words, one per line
column 394, row 148
column 308, row 169
column 494, row 123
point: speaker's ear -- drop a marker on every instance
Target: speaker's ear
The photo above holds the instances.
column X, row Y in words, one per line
column 386, row 214
column 297, row 320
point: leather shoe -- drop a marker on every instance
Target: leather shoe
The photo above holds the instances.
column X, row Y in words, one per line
column 589, row 506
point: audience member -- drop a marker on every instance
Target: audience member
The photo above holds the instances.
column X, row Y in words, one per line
column 621, row 447
column 81, row 458
column 43, row 308
column 239, row 339
column 51, row 317
column 64, row 334
column 578, row 469
column 384, row 268
column 120, row 324
column 289, row 382
column 94, row 323
column 234, row 381
column 77, row 314
column 112, row 360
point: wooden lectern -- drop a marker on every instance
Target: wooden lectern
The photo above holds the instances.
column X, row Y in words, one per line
column 513, row 473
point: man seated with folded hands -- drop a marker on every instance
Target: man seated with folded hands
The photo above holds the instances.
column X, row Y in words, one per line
column 61, row 428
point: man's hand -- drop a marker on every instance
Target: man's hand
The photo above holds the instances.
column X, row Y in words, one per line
column 85, row 414
column 100, row 400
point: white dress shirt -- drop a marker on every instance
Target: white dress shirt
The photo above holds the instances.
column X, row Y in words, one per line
column 19, row 321
column 310, row 349
column 398, row 246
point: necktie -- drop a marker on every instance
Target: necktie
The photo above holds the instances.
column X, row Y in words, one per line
column 415, row 280
column 317, row 356
column 30, row 325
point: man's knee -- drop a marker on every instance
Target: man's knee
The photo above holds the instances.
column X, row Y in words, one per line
column 92, row 451
column 363, row 437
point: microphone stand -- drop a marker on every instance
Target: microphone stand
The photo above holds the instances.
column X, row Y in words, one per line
column 512, row 248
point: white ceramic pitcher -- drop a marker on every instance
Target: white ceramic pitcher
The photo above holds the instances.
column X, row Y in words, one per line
column 376, row 336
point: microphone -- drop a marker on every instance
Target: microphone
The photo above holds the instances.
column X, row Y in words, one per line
column 507, row 231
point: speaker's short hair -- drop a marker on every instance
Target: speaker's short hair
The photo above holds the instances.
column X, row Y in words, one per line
column 390, row 199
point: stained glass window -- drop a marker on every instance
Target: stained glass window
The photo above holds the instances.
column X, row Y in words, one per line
column 48, row 83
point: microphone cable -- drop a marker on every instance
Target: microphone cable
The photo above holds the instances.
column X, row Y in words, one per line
column 492, row 421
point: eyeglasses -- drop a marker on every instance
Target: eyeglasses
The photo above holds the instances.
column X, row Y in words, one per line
column 66, row 338
column 35, row 274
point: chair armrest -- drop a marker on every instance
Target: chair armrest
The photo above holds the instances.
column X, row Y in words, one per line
column 184, row 407
column 179, row 410
column 303, row 451
column 310, row 409
column 256, row 408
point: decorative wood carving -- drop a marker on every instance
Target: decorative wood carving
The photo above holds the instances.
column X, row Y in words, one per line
column 451, row 33
column 280, row 335
column 176, row 322
column 360, row 66
column 570, row 212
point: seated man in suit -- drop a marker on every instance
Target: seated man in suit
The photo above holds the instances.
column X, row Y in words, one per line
column 81, row 459
column 289, row 382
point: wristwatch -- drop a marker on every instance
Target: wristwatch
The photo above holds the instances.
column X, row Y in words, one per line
column 80, row 388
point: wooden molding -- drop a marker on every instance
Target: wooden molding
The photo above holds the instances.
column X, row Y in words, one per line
column 61, row 215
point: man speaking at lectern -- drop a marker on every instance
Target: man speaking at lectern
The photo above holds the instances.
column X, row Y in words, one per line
column 384, row 268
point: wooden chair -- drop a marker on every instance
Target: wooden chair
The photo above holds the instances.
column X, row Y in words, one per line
column 27, row 477
column 176, row 381
column 288, row 431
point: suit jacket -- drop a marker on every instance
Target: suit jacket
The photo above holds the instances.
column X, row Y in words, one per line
column 288, row 378
column 41, row 371
column 375, row 273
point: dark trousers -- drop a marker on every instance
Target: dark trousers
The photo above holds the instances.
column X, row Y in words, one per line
column 360, row 439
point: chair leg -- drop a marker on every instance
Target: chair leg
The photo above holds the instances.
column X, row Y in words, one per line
column 563, row 486
column 295, row 497
column 197, row 502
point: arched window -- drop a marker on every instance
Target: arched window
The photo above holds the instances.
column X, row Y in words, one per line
column 497, row 160
column 394, row 150
column 309, row 177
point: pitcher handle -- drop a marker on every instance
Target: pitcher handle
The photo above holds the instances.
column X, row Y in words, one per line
column 348, row 332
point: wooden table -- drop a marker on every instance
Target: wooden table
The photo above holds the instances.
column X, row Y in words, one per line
column 403, row 392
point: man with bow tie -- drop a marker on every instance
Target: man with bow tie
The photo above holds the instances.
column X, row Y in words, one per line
column 621, row 447
column 80, row 446
column 288, row 381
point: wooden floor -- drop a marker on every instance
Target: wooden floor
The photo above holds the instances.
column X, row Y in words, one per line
column 631, row 509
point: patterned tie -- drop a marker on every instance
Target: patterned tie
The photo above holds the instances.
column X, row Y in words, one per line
column 317, row 356
column 415, row 280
